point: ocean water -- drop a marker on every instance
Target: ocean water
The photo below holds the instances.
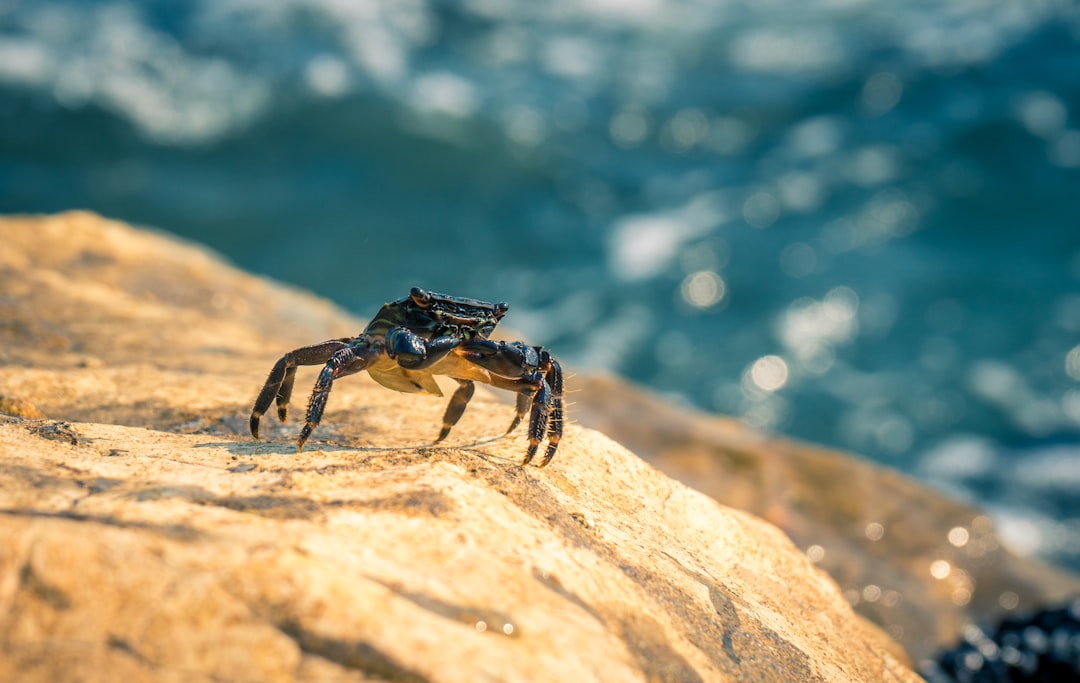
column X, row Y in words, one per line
column 854, row 222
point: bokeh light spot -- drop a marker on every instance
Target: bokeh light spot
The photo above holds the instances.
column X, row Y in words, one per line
column 1043, row 114
column 881, row 93
column 958, row 536
column 1072, row 363
column 703, row 289
column 769, row 373
column 761, row 209
column 1065, row 151
column 940, row 569
column 1009, row 600
column 629, row 127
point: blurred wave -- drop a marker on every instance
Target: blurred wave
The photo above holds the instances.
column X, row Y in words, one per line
column 851, row 221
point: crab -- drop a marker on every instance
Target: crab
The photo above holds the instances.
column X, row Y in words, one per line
column 421, row 335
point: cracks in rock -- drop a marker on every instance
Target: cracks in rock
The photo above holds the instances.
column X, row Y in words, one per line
column 417, row 501
column 482, row 619
column 747, row 642
column 350, row 654
column 45, row 592
column 713, row 627
column 643, row 636
column 117, row 643
column 178, row 532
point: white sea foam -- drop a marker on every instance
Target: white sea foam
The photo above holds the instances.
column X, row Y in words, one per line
column 212, row 74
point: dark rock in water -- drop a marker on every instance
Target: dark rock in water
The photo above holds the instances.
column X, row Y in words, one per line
column 1043, row 647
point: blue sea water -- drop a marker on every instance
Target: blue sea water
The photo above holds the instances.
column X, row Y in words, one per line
column 855, row 222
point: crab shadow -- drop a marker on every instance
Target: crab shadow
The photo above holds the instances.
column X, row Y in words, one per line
column 276, row 447
column 473, row 448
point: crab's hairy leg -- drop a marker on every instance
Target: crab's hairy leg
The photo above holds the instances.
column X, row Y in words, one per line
column 526, row 370
column 538, row 419
column 345, row 361
column 279, row 383
column 524, row 400
column 413, row 352
column 535, row 394
column 456, row 408
column 555, row 426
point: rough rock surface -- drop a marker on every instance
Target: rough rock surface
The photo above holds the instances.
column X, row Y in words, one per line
column 875, row 531
column 143, row 536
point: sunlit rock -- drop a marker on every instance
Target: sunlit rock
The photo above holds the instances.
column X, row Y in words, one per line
column 907, row 557
column 145, row 537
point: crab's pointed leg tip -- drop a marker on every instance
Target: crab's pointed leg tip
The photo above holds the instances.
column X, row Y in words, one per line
column 253, row 424
column 552, row 445
column 304, row 434
column 513, row 425
column 529, row 454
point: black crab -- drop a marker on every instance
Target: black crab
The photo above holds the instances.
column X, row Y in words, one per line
column 411, row 340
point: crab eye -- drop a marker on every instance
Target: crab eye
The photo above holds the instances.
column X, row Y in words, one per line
column 420, row 297
column 501, row 308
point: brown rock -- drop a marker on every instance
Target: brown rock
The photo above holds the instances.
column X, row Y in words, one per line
column 17, row 407
column 161, row 543
column 875, row 531
column 102, row 323
column 162, row 556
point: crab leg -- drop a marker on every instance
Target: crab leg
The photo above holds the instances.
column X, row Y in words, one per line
column 530, row 371
column 538, row 419
column 279, row 384
column 555, row 425
column 524, row 400
column 456, row 407
column 345, row 361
